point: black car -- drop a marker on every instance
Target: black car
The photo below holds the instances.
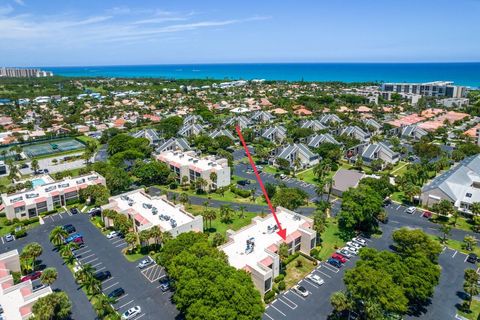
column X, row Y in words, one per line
column 117, row 293
column 243, row 182
column 95, row 212
column 472, row 258
column 102, row 275
column 69, row 228
column 24, row 166
column 164, row 284
column 74, row 211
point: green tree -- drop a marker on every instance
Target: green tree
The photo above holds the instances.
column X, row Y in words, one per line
column 57, row 236
column 34, row 165
column 183, row 198
column 226, row 213
column 49, row 276
column 445, row 229
column 410, row 242
column 131, row 240
column 290, row 198
column 209, row 215
column 153, row 172
column 55, row 306
column 470, row 242
column 96, row 194
column 218, row 239
column 470, row 285
column 340, row 302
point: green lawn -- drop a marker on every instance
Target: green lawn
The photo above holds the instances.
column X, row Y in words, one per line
column 295, row 273
column 456, row 245
column 86, row 139
column 331, row 240
column 307, row 176
column 474, row 313
column 134, row 256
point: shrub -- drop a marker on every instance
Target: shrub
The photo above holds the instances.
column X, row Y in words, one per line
column 279, row 278
column 299, row 264
column 8, row 222
column 72, row 201
column 20, row 233
column 269, row 296
column 173, row 185
column 3, row 214
column 291, row 258
column 282, row 285
column 314, row 252
column 240, row 192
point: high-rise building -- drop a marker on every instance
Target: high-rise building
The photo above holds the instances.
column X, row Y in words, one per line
column 24, row 73
column 431, row 89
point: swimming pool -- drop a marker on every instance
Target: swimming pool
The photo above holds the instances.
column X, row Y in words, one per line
column 38, row 182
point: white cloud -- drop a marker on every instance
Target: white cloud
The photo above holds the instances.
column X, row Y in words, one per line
column 5, row 10
column 19, row 2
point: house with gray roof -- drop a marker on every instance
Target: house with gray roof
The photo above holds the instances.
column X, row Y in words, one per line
column 192, row 119
column 189, row 130
column 330, row 119
column 173, row 144
column 316, row 140
column 380, row 150
column 298, row 151
column 149, row 134
column 275, row 134
column 262, row 116
column 412, row 132
column 371, row 123
column 460, row 185
column 221, row 132
column 345, row 179
column 355, row 132
column 241, row 121
column 315, row 125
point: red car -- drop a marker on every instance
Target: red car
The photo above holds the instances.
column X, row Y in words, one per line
column 427, row 214
column 32, row 276
column 339, row 257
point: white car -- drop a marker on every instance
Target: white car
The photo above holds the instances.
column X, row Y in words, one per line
column 411, row 210
column 354, row 245
column 360, row 241
column 352, row 250
column 9, row 237
column 131, row 313
column 283, row 176
column 344, row 252
column 144, row 263
column 112, row 234
column 301, row 290
column 316, row 279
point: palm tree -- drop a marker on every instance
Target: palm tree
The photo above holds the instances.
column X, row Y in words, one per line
column 213, row 178
column 470, row 242
column 340, row 302
column 57, row 236
column 445, row 229
column 226, row 213
column 102, row 305
column 201, row 184
column 13, row 172
column 209, row 215
column 34, row 165
column 49, row 275
column 166, row 237
column 156, row 234
column 131, row 240
column 329, row 183
column 31, row 252
column 242, row 211
column 183, row 198
column 144, row 237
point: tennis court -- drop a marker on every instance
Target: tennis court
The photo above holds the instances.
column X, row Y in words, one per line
column 52, row 147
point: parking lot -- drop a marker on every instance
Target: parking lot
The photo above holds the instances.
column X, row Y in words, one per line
column 290, row 305
column 142, row 287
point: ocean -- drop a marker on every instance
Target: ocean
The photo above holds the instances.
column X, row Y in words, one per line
column 467, row 74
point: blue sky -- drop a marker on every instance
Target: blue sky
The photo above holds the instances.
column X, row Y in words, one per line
column 106, row 32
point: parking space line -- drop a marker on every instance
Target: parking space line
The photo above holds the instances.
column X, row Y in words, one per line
column 89, row 256
column 110, row 286
column 97, row 264
column 466, row 261
column 332, row 269
column 108, row 279
column 293, row 303
column 83, row 252
column 454, row 254
column 124, row 296
column 268, row 315
column 3, row 242
column 140, row 316
column 283, row 314
column 125, row 304
column 118, row 240
column 100, row 269
column 326, row 275
column 90, row 261
column 293, row 292
column 121, row 245
column 310, row 283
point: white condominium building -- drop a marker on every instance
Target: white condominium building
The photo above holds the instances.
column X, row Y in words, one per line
column 431, row 89
column 46, row 195
column 187, row 164
column 147, row 211
column 254, row 248
column 16, row 300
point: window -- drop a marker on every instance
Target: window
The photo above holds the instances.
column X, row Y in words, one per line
column 468, row 195
column 268, row 284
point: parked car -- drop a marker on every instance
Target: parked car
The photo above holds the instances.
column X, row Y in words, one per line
column 344, row 252
column 243, row 182
column 117, row 293
column 112, row 234
column 472, row 258
column 69, row 228
column 9, row 237
column 352, row 250
column 387, row 201
column 427, row 214
column 78, row 241
column 339, row 257
column 316, row 279
column 102, row 275
column 353, row 244
column 301, row 290
column 24, row 166
column 410, row 210
column 32, row 276
column 334, row 262
column 97, row 211
column 73, row 237
column 74, row 211
column 165, row 284
column 283, row 176
column 131, row 313
column 360, row 241
column 145, row 263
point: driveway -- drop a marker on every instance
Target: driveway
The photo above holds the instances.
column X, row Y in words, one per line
column 47, row 163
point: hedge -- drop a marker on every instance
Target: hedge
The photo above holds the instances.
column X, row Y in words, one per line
column 240, row 192
column 269, row 296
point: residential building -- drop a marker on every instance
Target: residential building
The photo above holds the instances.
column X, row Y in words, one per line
column 454, row 102
column 344, row 179
column 431, row 89
column 241, row 121
column 189, row 130
column 275, row 134
column 379, row 151
column 329, row 119
column 47, row 195
column 262, row 116
column 412, row 132
column 149, row 134
column 315, row 125
column 298, row 155
column 221, row 132
column 173, row 144
column 24, row 73
column 254, row 248
column 147, row 211
column 355, row 132
column 460, row 185
column 316, row 140
column 17, row 300
column 187, row 164
column 192, row 119
column 3, row 168
column 371, row 123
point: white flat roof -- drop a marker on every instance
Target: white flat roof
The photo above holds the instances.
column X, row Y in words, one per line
column 141, row 208
column 236, row 249
column 186, row 159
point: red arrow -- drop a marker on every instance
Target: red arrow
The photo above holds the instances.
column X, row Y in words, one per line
column 281, row 232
